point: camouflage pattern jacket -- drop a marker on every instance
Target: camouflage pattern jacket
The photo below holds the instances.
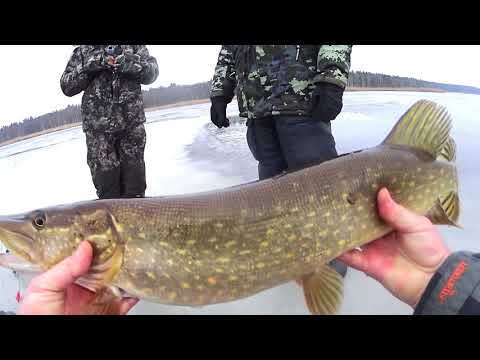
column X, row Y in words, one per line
column 111, row 101
column 277, row 79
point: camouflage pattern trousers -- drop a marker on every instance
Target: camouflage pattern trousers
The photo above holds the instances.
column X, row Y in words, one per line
column 116, row 162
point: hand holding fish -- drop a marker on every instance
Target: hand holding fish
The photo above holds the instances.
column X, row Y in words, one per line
column 54, row 292
column 404, row 260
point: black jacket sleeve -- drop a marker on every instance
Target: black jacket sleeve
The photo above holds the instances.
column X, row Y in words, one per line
column 224, row 80
column 455, row 287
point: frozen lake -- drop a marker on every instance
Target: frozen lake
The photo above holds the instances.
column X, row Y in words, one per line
column 185, row 153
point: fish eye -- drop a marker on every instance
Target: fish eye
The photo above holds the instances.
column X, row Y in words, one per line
column 39, row 220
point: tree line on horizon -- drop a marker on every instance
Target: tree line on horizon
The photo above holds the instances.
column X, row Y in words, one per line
column 174, row 93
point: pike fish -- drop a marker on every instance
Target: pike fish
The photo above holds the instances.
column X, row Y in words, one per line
column 224, row 245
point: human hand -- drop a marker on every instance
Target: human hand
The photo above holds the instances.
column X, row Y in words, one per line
column 128, row 64
column 404, row 260
column 218, row 112
column 327, row 101
column 54, row 292
column 96, row 62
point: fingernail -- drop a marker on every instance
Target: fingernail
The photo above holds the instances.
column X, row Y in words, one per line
column 386, row 195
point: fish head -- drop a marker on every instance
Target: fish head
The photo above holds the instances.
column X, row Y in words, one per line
column 21, row 234
column 44, row 237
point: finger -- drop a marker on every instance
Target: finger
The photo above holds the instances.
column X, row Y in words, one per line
column 126, row 305
column 65, row 273
column 355, row 259
column 398, row 217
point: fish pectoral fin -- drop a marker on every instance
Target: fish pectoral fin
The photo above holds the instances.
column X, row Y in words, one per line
column 446, row 211
column 89, row 283
column 107, row 294
column 100, row 275
column 323, row 291
column 105, row 302
column 425, row 126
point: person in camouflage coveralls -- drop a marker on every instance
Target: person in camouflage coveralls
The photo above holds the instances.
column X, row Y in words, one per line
column 113, row 116
column 290, row 94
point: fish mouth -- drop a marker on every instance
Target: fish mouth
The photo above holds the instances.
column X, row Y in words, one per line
column 18, row 264
column 19, row 244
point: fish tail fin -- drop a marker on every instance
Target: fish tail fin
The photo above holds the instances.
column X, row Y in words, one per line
column 451, row 203
column 323, row 291
column 425, row 126
column 446, row 211
column 449, row 151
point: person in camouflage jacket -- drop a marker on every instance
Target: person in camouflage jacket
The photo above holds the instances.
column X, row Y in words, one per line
column 290, row 94
column 280, row 79
column 113, row 116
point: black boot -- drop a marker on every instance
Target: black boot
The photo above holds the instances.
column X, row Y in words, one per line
column 133, row 180
column 107, row 184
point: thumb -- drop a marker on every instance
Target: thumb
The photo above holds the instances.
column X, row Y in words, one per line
column 66, row 272
column 398, row 217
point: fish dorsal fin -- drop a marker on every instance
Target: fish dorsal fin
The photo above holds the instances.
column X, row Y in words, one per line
column 323, row 291
column 446, row 211
column 426, row 126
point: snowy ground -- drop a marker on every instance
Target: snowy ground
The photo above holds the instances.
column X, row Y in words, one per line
column 185, row 153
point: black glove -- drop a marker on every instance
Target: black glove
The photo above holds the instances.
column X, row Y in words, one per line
column 95, row 63
column 327, row 101
column 218, row 112
column 128, row 64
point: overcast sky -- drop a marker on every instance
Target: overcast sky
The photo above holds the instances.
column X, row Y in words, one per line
column 29, row 75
